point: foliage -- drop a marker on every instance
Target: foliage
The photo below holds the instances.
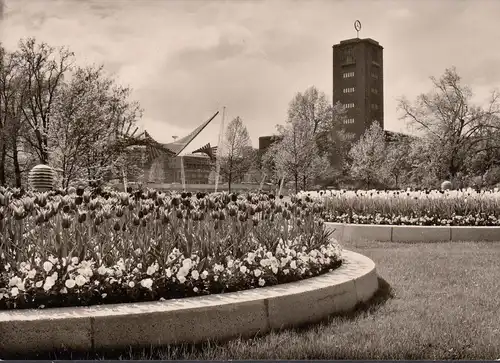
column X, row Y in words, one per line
column 77, row 119
column 428, row 207
column 296, row 156
column 85, row 247
column 237, row 155
column 452, row 126
column 368, row 157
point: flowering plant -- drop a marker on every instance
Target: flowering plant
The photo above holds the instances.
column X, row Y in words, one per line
column 465, row 207
column 79, row 247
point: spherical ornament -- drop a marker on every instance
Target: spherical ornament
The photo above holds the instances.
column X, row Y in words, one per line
column 41, row 178
column 446, row 185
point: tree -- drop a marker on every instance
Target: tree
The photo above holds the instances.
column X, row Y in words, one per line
column 93, row 113
column 44, row 68
column 368, row 157
column 237, row 155
column 452, row 126
column 398, row 164
column 76, row 119
column 313, row 107
column 296, row 156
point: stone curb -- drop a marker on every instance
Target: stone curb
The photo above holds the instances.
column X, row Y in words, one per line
column 389, row 233
column 191, row 320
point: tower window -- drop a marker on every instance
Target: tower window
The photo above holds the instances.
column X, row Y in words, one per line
column 374, row 106
column 348, row 74
column 348, row 90
column 347, row 55
column 375, row 91
column 349, row 105
column 348, row 121
column 374, row 75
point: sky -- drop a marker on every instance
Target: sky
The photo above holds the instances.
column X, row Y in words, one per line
column 187, row 59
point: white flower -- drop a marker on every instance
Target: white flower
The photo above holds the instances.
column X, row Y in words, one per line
column 151, row 270
column 195, row 274
column 139, row 265
column 181, row 279
column 257, row 272
column 131, row 284
column 243, row 269
column 230, row 263
column 14, row 292
column 53, row 260
column 32, row 274
column 195, row 289
column 64, row 290
column 265, row 262
column 48, row 284
column 183, row 271
column 275, row 270
column 14, row 281
column 286, row 271
column 168, row 272
column 39, row 284
column 293, row 265
column 147, row 283
column 187, row 263
column 47, row 266
column 74, row 260
column 104, row 295
column 102, row 270
column 262, row 282
column 80, row 280
column 204, row 275
column 70, row 283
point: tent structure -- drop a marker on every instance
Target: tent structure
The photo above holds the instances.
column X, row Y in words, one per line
column 179, row 145
column 154, row 149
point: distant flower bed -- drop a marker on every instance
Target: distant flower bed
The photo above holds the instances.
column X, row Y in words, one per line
column 79, row 248
column 419, row 208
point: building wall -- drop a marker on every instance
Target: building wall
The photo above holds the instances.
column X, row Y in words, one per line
column 266, row 141
column 358, row 81
column 166, row 169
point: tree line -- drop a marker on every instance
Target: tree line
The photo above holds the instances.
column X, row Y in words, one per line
column 77, row 119
column 82, row 122
column 452, row 138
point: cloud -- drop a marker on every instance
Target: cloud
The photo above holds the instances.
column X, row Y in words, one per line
column 187, row 59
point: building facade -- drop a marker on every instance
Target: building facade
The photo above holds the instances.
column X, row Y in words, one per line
column 358, row 83
column 167, row 169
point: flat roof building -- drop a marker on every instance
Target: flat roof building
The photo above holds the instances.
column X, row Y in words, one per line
column 358, row 83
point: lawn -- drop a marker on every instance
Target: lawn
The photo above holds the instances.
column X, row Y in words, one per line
column 437, row 301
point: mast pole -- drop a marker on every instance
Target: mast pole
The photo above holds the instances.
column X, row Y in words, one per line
column 219, row 149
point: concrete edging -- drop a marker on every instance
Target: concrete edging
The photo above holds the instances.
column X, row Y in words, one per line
column 390, row 233
column 191, row 320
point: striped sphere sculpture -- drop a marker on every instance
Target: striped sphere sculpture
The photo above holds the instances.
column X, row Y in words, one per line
column 446, row 185
column 41, row 178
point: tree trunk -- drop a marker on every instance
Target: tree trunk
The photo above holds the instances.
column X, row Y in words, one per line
column 3, row 154
column 296, row 183
column 17, row 168
column 229, row 180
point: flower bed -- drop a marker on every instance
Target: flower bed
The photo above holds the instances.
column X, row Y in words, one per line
column 417, row 208
column 80, row 248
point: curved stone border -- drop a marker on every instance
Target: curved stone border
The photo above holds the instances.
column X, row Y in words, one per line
column 191, row 320
column 390, row 233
